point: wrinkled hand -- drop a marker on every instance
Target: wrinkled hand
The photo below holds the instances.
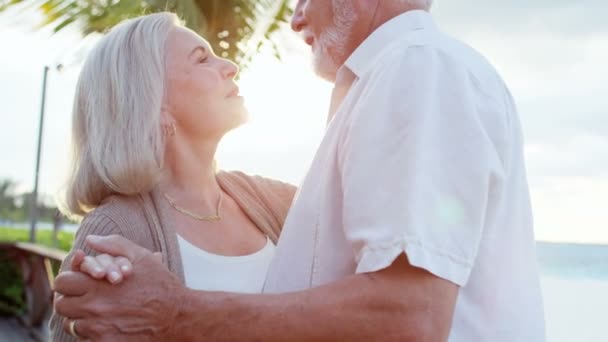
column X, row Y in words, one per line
column 141, row 308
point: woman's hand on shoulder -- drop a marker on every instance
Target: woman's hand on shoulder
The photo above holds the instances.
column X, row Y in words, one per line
column 102, row 266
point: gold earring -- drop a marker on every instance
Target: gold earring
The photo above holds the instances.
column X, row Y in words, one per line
column 170, row 130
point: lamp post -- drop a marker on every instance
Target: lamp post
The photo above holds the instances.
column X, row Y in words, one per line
column 34, row 195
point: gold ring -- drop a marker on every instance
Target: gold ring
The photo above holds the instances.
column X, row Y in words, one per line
column 72, row 329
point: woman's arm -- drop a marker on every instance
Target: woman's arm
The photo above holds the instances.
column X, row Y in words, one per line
column 93, row 224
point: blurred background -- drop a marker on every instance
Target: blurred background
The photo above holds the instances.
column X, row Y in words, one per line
column 551, row 53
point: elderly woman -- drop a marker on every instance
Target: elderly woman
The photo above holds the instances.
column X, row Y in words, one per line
column 153, row 102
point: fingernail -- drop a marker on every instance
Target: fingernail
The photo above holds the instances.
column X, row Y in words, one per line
column 114, row 276
column 125, row 268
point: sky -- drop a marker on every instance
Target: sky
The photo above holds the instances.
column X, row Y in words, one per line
column 551, row 54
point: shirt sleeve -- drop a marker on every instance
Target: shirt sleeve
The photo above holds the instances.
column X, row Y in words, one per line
column 417, row 167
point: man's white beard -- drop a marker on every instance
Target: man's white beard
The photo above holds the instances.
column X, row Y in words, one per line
column 330, row 48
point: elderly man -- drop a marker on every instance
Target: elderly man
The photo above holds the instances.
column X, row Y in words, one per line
column 413, row 223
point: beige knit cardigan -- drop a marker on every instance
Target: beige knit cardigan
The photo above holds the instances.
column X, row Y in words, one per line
column 146, row 220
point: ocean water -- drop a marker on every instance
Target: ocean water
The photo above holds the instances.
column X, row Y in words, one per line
column 574, row 280
column 578, row 261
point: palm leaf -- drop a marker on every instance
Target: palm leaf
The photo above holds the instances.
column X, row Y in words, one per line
column 236, row 29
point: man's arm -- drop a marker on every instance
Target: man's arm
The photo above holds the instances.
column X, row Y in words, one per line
column 400, row 303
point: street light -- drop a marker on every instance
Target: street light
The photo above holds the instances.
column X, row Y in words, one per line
column 34, row 196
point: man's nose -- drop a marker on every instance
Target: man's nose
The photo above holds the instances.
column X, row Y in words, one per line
column 297, row 21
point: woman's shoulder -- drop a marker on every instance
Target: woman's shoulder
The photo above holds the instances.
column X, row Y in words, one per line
column 116, row 215
column 120, row 206
column 119, row 215
column 115, row 208
column 257, row 182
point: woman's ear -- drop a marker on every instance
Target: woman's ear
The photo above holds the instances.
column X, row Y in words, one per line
column 167, row 124
column 166, row 118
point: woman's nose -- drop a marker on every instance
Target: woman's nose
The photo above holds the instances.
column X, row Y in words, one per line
column 230, row 69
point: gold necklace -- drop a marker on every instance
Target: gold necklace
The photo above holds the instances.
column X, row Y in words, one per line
column 208, row 218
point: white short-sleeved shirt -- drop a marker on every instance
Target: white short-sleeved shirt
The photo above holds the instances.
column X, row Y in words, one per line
column 423, row 157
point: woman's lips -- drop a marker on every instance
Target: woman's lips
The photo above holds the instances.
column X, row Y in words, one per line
column 234, row 92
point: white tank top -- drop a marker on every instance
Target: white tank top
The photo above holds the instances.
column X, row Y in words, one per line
column 213, row 272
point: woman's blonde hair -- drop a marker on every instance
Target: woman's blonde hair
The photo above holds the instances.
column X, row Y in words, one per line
column 118, row 144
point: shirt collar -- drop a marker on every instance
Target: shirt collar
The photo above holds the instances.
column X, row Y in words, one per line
column 372, row 47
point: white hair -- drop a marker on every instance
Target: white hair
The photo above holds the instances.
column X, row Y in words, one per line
column 117, row 139
column 334, row 37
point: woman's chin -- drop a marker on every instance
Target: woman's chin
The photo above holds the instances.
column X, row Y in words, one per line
column 236, row 104
column 239, row 117
column 237, row 99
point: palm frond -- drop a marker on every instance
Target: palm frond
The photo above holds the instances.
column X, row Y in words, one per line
column 236, row 29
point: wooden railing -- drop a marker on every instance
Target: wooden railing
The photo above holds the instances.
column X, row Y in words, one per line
column 34, row 262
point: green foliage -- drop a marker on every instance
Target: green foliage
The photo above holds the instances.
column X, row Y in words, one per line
column 11, row 287
column 16, row 207
column 43, row 237
column 236, row 29
column 8, row 206
column 11, row 282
